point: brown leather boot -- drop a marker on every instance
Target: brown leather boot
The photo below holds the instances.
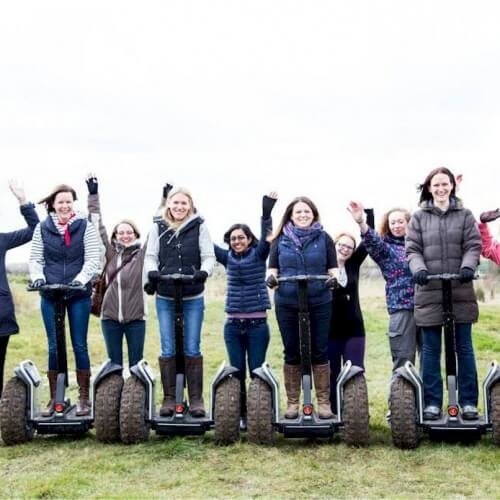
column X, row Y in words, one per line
column 321, row 374
column 167, row 371
column 194, row 376
column 52, row 376
column 83, row 406
column 292, row 385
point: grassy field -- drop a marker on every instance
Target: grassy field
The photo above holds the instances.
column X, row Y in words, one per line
column 196, row 467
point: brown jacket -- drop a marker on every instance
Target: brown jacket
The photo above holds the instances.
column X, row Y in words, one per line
column 443, row 242
column 124, row 300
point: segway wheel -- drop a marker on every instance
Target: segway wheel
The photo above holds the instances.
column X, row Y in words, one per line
column 260, row 413
column 134, row 427
column 227, row 411
column 107, row 408
column 495, row 412
column 403, row 406
column 356, row 414
column 14, row 425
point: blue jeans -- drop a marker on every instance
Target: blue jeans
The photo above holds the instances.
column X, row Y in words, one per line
column 78, row 314
column 193, row 319
column 246, row 338
column 431, row 365
column 288, row 321
column 134, row 331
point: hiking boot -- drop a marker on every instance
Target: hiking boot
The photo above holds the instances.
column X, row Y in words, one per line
column 469, row 412
column 194, row 376
column 292, row 375
column 167, row 371
column 321, row 374
column 49, row 410
column 432, row 412
column 83, row 405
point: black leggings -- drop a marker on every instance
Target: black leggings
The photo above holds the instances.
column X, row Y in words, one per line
column 4, row 341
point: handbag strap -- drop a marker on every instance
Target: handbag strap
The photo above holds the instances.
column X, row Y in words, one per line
column 118, row 269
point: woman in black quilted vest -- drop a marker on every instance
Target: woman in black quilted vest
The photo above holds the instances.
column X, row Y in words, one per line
column 180, row 243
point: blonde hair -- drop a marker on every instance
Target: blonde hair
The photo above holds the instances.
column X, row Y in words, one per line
column 167, row 214
column 348, row 235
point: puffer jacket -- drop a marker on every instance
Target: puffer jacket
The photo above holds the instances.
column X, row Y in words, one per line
column 124, row 300
column 443, row 242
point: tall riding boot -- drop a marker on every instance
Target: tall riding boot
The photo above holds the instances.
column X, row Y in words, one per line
column 167, row 370
column 83, row 380
column 194, row 375
column 52, row 376
column 321, row 374
column 292, row 385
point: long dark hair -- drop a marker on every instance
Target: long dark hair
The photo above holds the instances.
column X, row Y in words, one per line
column 289, row 210
column 245, row 229
column 425, row 194
column 48, row 201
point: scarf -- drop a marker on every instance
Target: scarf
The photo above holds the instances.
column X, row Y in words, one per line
column 63, row 227
column 301, row 235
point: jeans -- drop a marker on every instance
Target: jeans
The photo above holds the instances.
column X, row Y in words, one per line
column 246, row 341
column 134, row 331
column 288, row 321
column 339, row 351
column 466, row 373
column 193, row 319
column 78, row 314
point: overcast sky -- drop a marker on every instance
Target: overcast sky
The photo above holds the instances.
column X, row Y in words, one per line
column 333, row 99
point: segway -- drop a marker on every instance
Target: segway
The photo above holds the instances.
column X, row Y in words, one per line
column 263, row 407
column 138, row 410
column 20, row 415
column 407, row 393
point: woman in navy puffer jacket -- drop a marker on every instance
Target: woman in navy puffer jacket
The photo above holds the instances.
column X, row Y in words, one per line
column 246, row 332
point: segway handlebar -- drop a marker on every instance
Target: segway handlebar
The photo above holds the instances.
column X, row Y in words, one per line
column 56, row 287
column 185, row 278
column 304, row 277
column 446, row 277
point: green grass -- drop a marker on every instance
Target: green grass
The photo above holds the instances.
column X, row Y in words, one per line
column 51, row 467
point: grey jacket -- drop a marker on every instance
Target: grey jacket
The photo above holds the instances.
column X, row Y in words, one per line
column 443, row 242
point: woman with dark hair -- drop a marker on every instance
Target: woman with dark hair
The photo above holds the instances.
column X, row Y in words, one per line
column 13, row 239
column 123, row 306
column 301, row 246
column 387, row 249
column 179, row 242
column 65, row 250
column 443, row 238
column 246, row 332
column 347, row 329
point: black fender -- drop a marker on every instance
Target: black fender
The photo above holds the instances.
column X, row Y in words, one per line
column 144, row 373
column 409, row 373
column 222, row 374
column 107, row 368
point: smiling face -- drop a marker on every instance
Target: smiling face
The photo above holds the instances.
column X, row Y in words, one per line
column 239, row 241
column 125, row 234
column 440, row 188
column 63, row 205
column 302, row 215
column 180, row 206
column 397, row 223
column 344, row 247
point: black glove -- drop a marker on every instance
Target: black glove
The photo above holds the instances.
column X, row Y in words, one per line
column 92, row 185
column 150, row 288
column 272, row 281
column 200, row 276
column 332, row 283
column 166, row 189
column 421, row 277
column 153, row 277
column 38, row 283
column 76, row 283
column 267, row 206
column 490, row 216
column 466, row 275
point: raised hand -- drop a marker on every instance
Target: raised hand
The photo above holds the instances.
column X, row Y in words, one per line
column 268, row 202
column 17, row 190
column 91, row 181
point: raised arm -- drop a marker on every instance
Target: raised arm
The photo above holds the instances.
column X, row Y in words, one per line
column 266, row 224
column 95, row 215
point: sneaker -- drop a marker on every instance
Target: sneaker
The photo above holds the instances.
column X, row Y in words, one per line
column 432, row 412
column 469, row 412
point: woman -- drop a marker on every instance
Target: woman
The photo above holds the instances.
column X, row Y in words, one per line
column 246, row 332
column 490, row 247
column 180, row 243
column 65, row 250
column 443, row 238
column 347, row 329
column 387, row 249
column 301, row 246
column 123, row 306
column 8, row 323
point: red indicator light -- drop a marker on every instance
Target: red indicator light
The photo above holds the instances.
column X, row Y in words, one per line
column 452, row 411
column 308, row 409
column 59, row 407
column 179, row 408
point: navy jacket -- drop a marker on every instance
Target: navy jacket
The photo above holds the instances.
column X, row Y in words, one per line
column 246, row 273
column 8, row 324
